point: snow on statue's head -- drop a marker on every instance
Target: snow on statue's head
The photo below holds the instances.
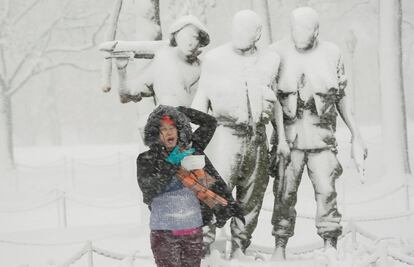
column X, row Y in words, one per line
column 304, row 25
column 188, row 34
column 246, row 30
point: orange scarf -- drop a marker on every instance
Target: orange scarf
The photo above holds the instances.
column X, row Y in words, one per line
column 198, row 182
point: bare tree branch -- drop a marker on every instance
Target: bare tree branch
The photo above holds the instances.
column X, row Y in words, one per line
column 32, row 74
column 36, row 71
column 40, row 48
column 3, row 83
column 77, row 27
column 17, row 69
column 47, row 31
column 81, row 16
column 92, row 44
column 72, row 65
column 6, row 11
column 3, row 61
column 5, row 16
column 23, row 13
column 354, row 7
column 31, row 50
column 53, row 25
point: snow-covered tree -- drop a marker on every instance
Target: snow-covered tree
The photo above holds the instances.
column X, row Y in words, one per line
column 392, row 90
column 31, row 44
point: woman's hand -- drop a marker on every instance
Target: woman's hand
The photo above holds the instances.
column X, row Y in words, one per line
column 175, row 157
column 224, row 213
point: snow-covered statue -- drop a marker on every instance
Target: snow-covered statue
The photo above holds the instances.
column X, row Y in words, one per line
column 311, row 90
column 172, row 75
column 236, row 87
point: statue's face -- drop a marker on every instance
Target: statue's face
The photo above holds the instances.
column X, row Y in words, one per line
column 187, row 40
column 304, row 31
column 246, row 30
column 244, row 37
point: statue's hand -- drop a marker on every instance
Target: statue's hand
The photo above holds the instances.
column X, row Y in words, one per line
column 359, row 153
column 358, row 146
column 283, row 149
column 125, row 98
column 121, row 62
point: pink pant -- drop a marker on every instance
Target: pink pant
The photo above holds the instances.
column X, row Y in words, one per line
column 171, row 250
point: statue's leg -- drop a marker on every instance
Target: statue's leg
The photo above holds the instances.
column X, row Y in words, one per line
column 284, row 212
column 251, row 186
column 251, row 189
column 224, row 153
column 323, row 169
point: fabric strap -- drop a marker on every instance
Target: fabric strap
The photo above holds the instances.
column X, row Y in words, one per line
column 198, row 182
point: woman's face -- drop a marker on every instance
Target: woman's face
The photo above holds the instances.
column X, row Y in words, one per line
column 187, row 40
column 168, row 135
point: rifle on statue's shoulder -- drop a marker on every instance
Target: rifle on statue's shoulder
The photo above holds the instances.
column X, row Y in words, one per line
column 123, row 52
column 131, row 49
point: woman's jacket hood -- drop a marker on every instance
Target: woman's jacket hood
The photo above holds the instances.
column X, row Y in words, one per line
column 152, row 128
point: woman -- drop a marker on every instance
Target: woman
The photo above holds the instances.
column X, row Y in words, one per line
column 178, row 212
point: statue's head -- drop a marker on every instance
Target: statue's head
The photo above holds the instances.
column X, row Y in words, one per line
column 304, row 25
column 188, row 34
column 246, row 30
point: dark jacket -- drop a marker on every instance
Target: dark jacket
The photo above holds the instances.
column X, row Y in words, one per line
column 155, row 173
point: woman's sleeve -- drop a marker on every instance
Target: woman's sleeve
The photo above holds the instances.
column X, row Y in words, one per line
column 153, row 176
column 207, row 126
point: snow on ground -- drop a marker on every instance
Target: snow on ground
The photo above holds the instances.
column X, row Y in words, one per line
column 103, row 204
